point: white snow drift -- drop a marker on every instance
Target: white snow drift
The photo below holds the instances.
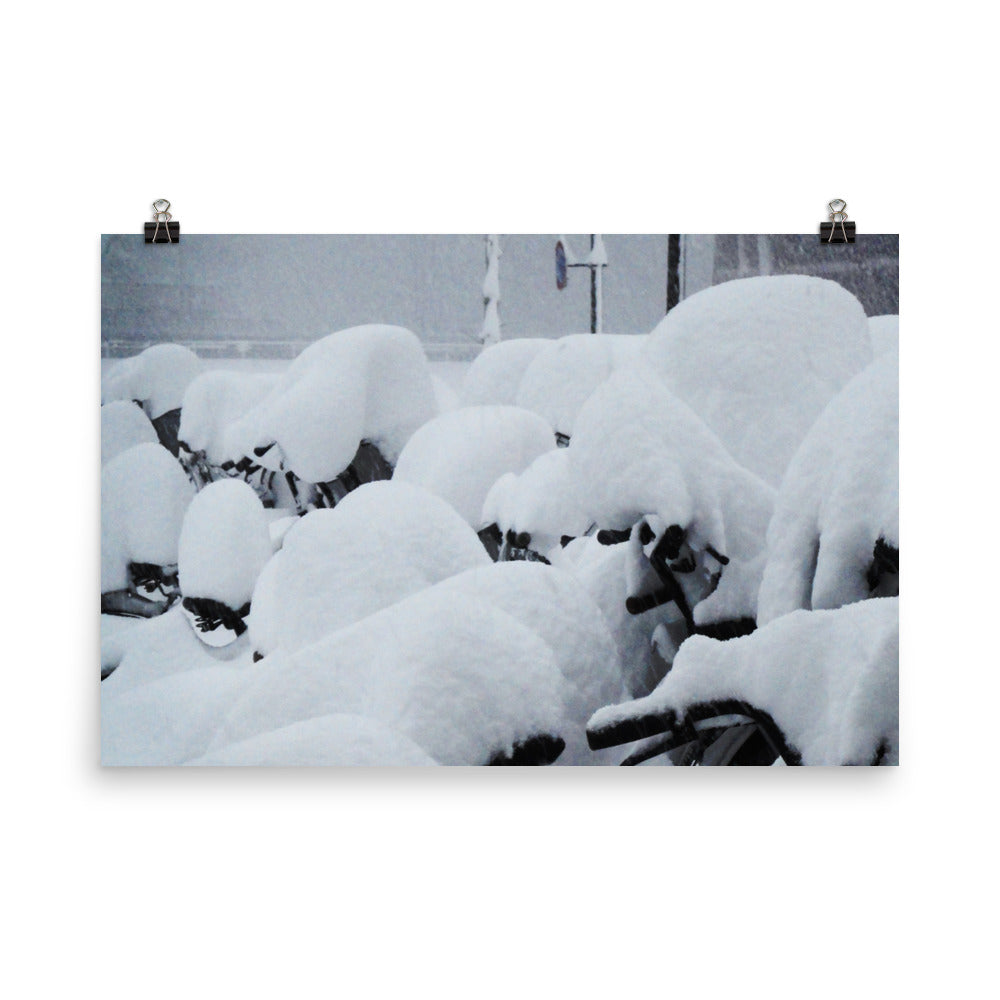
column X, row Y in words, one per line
column 541, row 501
column 460, row 678
column 157, row 378
column 144, row 494
column 367, row 383
column 553, row 605
column 224, row 543
column 884, row 332
column 460, row 455
column 213, row 403
column 494, row 377
column 337, row 740
column 639, row 450
column 168, row 721
column 839, row 496
column 123, row 426
column 562, row 377
column 157, row 648
column 829, row 679
column 380, row 544
column 758, row 358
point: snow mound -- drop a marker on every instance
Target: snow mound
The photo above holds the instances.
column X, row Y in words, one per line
column 144, row 494
column 367, row 383
column 445, row 397
column 381, row 543
column 556, row 607
column 602, row 571
column 758, row 358
column 493, row 378
column 160, row 647
column 562, row 377
column 328, row 741
column 123, row 426
column 168, row 721
column 541, row 501
column 639, row 450
column 458, row 456
column 460, row 678
column 115, row 632
column 224, row 543
column 884, row 332
column 213, row 402
column 157, row 378
column 828, row 679
column 840, row 495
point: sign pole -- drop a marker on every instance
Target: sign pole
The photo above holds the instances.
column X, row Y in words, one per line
column 595, row 261
column 673, row 271
column 593, row 289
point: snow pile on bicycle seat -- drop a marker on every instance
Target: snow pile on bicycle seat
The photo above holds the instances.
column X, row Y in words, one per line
column 157, row 378
column 758, row 358
column 563, row 376
column 829, row 679
column 460, row 678
column 144, row 494
column 839, row 496
column 366, row 383
column 884, row 332
column 557, row 608
column 162, row 646
column 224, row 543
column 213, row 402
column 337, row 740
column 639, row 450
column 541, row 501
column 493, row 378
column 381, row 543
column 123, row 426
column 168, row 721
column 458, row 456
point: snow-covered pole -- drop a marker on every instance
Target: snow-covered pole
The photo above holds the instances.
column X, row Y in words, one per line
column 491, row 293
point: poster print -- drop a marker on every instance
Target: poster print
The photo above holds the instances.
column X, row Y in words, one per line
column 467, row 500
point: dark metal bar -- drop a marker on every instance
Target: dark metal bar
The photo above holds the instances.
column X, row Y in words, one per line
column 673, row 270
column 593, row 290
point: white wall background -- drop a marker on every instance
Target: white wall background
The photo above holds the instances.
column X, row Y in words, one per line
column 522, row 117
column 299, row 288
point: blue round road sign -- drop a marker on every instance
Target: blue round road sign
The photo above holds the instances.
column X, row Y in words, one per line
column 560, row 265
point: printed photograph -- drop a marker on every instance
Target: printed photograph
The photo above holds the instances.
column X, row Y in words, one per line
column 571, row 500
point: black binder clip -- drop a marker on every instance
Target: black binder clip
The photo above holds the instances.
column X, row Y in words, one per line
column 162, row 230
column 838, row 217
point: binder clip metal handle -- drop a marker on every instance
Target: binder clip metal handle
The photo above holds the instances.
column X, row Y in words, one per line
column 162, row 230
column 838, row 217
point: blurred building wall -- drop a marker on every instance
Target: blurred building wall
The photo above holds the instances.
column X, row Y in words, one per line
column 270, row 295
